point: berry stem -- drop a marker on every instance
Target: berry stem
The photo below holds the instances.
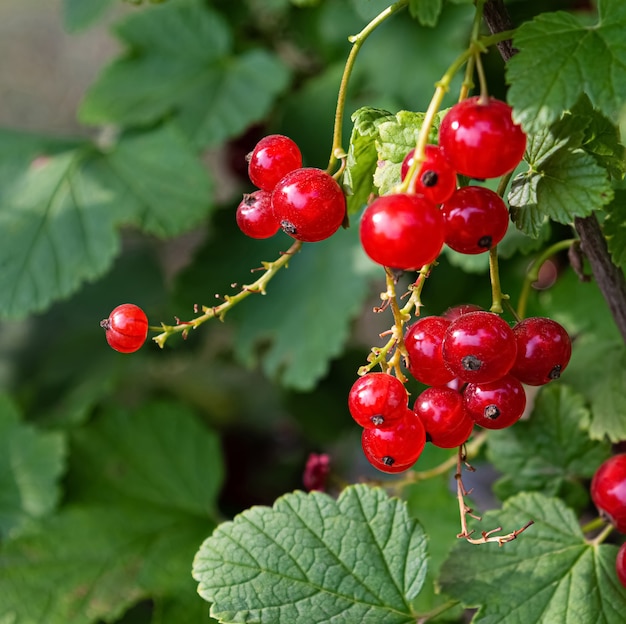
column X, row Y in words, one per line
column 337, row 151
column 230, row 301
column 494, row 275
column 424, row 617
column 596, row 541
column 593, row 525
column 533, row 273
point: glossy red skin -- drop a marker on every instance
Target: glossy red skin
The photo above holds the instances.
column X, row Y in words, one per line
column 309, row 204
column 506, row 395
column 479, row 347
column 480, row 139
column 620, row 564
column 398, row 446
column 437, row 188
column 273, row 157
column 126, row 328
column 608, row 490
column 377, row 400
column 255, row 216
column 476, row 219
column 423, row 344
column 442, row 412
column 402, row 231
column 544, row 349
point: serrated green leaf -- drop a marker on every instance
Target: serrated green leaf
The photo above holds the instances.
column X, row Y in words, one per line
column 551, row 451
column 31, row 464
column 560, row 59
column 549, row 574
column 615, row 228
column 78, row 14
column 180, row 62
column 427, row 12
column 358, row 559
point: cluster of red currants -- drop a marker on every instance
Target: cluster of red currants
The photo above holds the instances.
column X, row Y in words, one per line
column 475, row 365
column 608, row 492
column 477, row 139
column 307, row 203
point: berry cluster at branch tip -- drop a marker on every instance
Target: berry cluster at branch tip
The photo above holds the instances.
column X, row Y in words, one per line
column 306, row 203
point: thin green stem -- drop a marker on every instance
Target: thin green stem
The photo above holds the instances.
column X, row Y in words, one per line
column 494, row 274
column 593, row 525
column 533, row 273
column 337, row 151
column 424, row 617
column 596, row 541
column 230, row 301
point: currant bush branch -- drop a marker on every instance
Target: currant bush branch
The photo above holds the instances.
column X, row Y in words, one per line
column 230, row 301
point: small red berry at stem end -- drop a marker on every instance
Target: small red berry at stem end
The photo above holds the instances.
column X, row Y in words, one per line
column 126, row 328
column 316, row 472
column 608, row 490
column 273, row 157
column 620, row 564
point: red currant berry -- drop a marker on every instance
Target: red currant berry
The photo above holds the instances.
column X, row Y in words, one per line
column 608, row 490
column 255, row 216
column 377, row 400
column 273, row 157
column 126, row 328
column 476, row 219
column 620, row 564
column 400, row 445
column 454, row 312
column 435, row 178
column 444, row 417
column 309, row 204
column 402, row 231
column 544, row 349
column 423, row 344
column 479, row 347
column 496, row 404
column 480, row 139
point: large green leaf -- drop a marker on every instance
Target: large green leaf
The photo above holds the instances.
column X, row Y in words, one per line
column 310, row 558
column 31, row 464
column 180, row 61
column 549, row 574
column 560, row 58
column 60, row 209
column 551, row 451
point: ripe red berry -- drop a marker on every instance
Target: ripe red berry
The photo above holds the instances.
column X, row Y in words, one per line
column 423, row 342
column 544, row 349
column 442, row 412
column 620, row 564
column 309, row 204
column 475, row 218
column 402, row 231
column 435, row 178
column 377, row 400
column 273, row 157
column 126, row 328
column 608, row 490
column 480, row 139
column 401, row 445
column 496, row 404
column 255, row 216
column 479, row 347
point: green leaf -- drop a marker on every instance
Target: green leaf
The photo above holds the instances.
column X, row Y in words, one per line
column 31, row 464
column 426, row 11
column 560, row 59
column 78, row 14
column 615, row 228
column 360, row 558
column 180, row 62
column 549, row 574
column 551, row 451
column 61, row 209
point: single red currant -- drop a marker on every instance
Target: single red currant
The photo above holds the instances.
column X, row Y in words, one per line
column 620, row 564
column 496, row 404
column 423, row 342
column 435, row 179
column 479, row 347
column 476, row 219
column 309, row 204
column 544, row 349
column 480, row 139
column 442, row 412
column 400, row 445
column 273, row 157
column 377, row 400
column 126, row 328
column 402, row 231
column 608, row 490
column 255, row 216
